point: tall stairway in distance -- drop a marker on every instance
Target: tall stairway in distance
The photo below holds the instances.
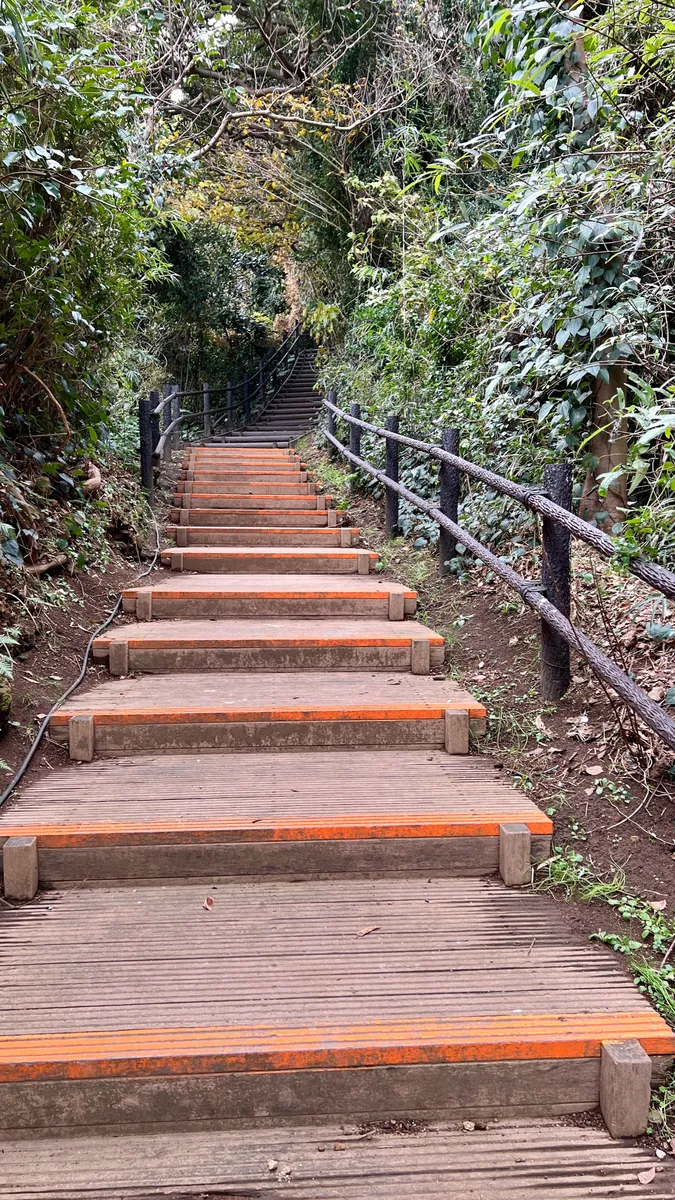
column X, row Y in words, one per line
column 278, row 895
column 289, row 415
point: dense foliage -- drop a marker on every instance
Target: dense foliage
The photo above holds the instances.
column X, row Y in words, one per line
column 472, row 204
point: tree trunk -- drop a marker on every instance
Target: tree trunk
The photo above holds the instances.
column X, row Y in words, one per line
column 610, row 447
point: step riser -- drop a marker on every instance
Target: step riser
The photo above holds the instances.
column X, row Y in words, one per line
column 274, row 658
column 249, row 478
column 355, row 857
column 273, row 609
column 204, row 536
column 252, row 518
column 449, row 1091
column 260, row 736
column 289, row 490
column 255, row 503
column 272, row 564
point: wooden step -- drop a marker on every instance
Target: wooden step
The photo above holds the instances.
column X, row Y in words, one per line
column 248, row 517
column 251, row 559
column 350, row 999
column 243, row 486
column 263, row 535
column 510, row 1160
column 224, row 501
column 266, row 711
column 317, row 813
column 243, row 476
column 281, row 645
column 269, row 596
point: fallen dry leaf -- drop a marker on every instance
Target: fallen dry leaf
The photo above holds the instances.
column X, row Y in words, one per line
column 367, row 930
column 208, row 903
column 339, row 1146
column 539, row 723
column 647, row 1176
column 657, row 905
column 594, row 770
column 513, row 641
column 589, row 791
column 660, row 1153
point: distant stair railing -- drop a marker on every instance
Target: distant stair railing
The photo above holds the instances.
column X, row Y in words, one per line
column 244, row 403
column 551, row 597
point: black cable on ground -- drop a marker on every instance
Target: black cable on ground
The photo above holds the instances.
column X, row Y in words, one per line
column 43, row 727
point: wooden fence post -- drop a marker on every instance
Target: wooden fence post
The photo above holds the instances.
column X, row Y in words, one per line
column 332, row 399
column 391, row 471
column 145, row 430
column 449, row 478
column 167, row 392
column 229, row 402
column 247, row 401
column 175, row 412
column 154, row 419
column 261, row 381
column 206, row 408
column 355, row 431
column 555, row 578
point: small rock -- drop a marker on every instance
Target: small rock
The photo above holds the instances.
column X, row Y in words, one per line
column 469, row 1126
column 339, row 1146
column 272, row 1164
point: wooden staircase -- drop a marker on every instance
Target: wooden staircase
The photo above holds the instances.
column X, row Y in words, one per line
column 273, row 879
column 288, row 415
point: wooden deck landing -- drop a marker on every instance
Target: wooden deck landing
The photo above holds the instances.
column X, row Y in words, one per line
column 541, row 1161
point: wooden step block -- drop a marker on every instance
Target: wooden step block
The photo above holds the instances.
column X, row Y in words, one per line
column 257, row 502
column 267, row 711
column 267, row 518
column 315, row 813
column 518, row 1160
column 231, row 475
column 269, row 596
column 247, row 535
column 242, row 487
column 354, row 999
column 282, row 645
column 251, row 559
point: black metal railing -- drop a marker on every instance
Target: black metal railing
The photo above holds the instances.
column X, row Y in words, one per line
column 162, row 421
column 551, row 597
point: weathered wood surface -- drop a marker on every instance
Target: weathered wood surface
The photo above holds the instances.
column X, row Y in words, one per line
column 520, row 1159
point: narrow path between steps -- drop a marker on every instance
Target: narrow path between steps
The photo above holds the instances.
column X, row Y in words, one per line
column 274, row 892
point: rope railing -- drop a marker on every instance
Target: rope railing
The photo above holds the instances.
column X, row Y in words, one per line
column 551, row 598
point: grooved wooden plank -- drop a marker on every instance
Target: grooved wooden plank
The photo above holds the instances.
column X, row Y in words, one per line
column 249, row 535
column 515, row 1159
column 267, row 518
column 166, row 634
column 269, row 696
column 310, row 796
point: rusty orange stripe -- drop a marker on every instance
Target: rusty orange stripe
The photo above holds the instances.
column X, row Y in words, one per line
column 340, row 827
column 218, row 1049
column 215, row 714
column 268, row 551
column 252, row 643
column 222, row 592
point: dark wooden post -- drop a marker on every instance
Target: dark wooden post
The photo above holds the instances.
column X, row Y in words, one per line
column 154, row 419
column 391, row 470
column 229, row 404
column 355, row 431
column 206, row 409
column 167, row 391
column 261, row 382
column 247, row 401
column 332, row 399
column 175, row 413
column 555, row 578
column 145, row 430
column 449, row 479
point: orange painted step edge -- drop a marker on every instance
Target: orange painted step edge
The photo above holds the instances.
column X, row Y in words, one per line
column 253, row 643
column 269, row 551
column 207, row 1050
column 214, row 714
column 222, row 593
column 347, row 827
